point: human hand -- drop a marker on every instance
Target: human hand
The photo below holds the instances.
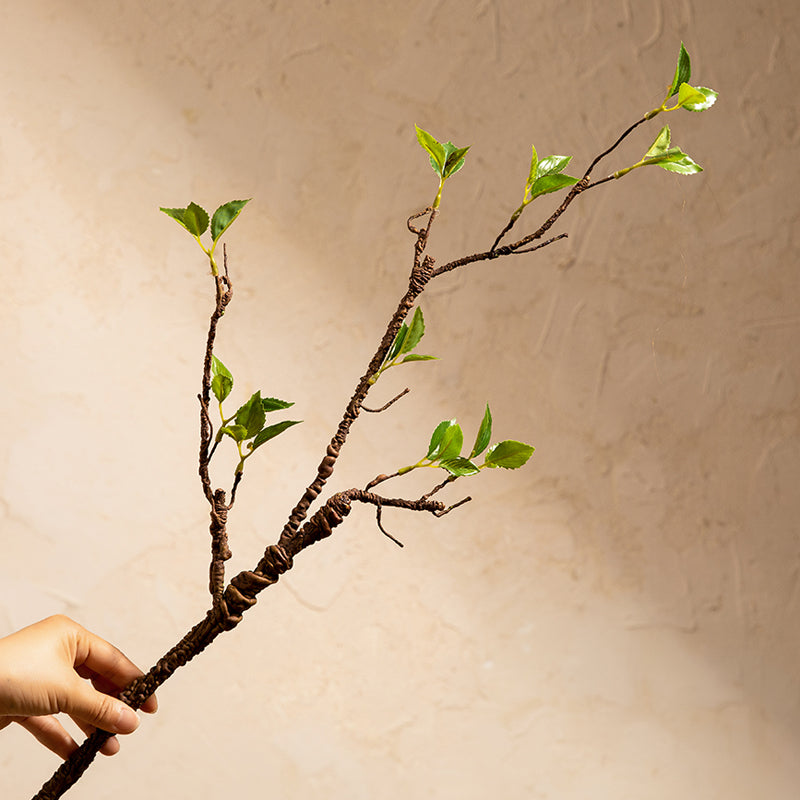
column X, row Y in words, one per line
column 46, row 669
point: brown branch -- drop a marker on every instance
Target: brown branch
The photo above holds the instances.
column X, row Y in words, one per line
column 387, row 405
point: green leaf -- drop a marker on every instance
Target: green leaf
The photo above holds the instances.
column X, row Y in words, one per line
column 661, row 144
column 222, row 380
column 551, row 183
column 683, row 71
column 415, row 332
column 435, row 150
column 225, row 215
column 454, row 159
column 450, row 446
column 251, row 415
column 419, row 357
column 459, row 467
column 681, row 163
column 222, row 386
column 218, row 368
column 176, row 213
column 237, row 432
column 508, row 454
column 195, row 219
column 702, row 99
column 273, row 404
column 271, row 431
column 484, row 434
column 397, row 343
column 436, row 438
column 552, row 165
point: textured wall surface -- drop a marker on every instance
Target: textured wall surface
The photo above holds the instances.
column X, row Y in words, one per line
column 617, row 620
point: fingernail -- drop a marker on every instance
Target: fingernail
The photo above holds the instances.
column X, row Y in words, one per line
column 128, row 720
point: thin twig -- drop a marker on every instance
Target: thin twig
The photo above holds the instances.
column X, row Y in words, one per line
column 383, row 530
column 384, row 407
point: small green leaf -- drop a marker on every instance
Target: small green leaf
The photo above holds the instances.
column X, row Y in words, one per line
column 177, row 214
column 450, row 446
column 508, row 454
column 533, row 170
column 661, row 144
column 222, row 380
column 415, row 332
column 237, row 432
column 454, row 159
column 435, row 150
column 459, row 467
column 484, row 434
column 222, row 386
column 195, row 219
column 707, row 98
column 688, row 94
column 551, row 183
column 436, row 438
column 273, row 404
column 681, row 163
column 251, row 415
column 552, row 165
column 419, row 357
column 218, row 368
column 225, row 215
column 397, row 343
column 271, row 431
column 683, row 71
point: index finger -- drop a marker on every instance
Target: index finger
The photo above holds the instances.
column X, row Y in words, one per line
column 108, row 667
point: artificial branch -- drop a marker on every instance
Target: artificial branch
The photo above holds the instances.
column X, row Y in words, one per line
column 246, row 427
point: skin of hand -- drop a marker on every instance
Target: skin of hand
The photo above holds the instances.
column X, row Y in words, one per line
column 56, row 666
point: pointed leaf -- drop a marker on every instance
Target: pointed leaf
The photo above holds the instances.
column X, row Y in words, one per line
column 454, row 159
column 221, row 386
column 508, row 454
column 271, row 431
column 661, row 144
column 436, row 438
column 552, row 165
column 709, row 98
column 273, row 404
column 419, row 357
column 534, row 168
column 484, row 434
column 195, row 219
column 683, row 71
column 176, row 213
column 459, row 467
column 222, row 381
column 551, row 183
column 237, row 432
column 397, row 343
column 434, row 148
column 251, row 415
column 415, row 332
column 225, row 215
column 680, row 163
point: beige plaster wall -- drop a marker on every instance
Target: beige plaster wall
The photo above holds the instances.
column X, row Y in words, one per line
column 619, row 619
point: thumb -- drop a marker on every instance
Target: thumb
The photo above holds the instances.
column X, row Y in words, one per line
column 85, row 703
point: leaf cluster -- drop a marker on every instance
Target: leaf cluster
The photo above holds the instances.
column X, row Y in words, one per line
column 406, row 340
column 194, row 218
column 248, row 424
column 447, row 442
column 446, row 159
